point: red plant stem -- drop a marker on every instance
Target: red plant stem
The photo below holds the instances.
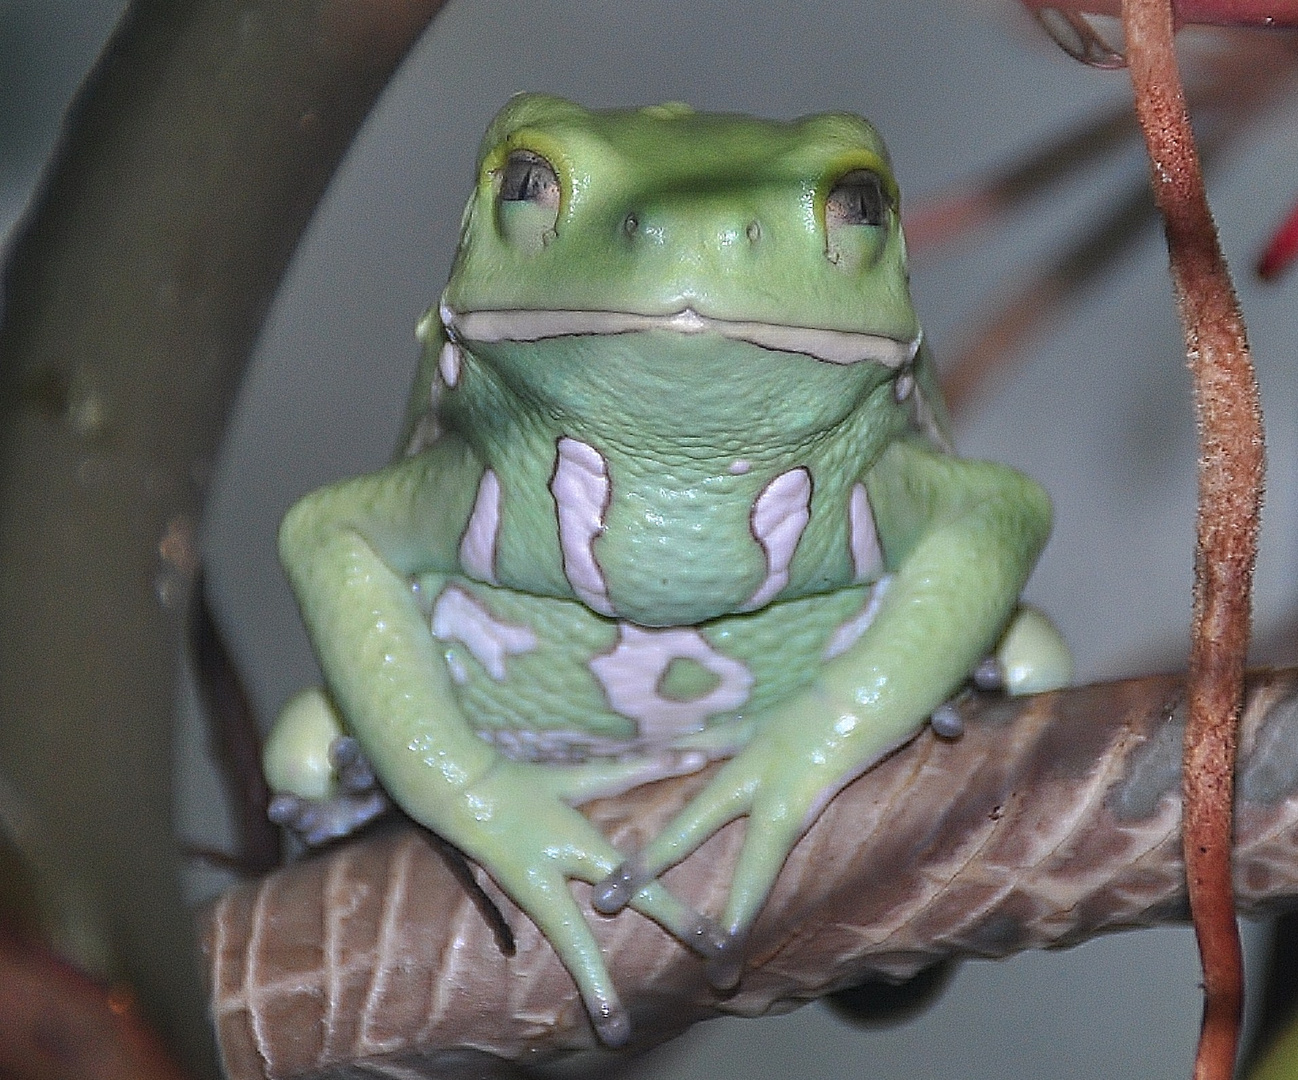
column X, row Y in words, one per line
column 1268, row 13
column 1282, row 250
column 1230, row 486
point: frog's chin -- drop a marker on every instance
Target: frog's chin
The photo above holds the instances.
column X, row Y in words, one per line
column 831, row 346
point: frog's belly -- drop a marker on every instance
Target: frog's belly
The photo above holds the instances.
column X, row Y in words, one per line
column 550, row 680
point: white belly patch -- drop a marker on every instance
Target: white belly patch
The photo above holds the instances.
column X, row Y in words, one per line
column 778, row 519
column 581, row 491
column 459, row 617
column 632, row 677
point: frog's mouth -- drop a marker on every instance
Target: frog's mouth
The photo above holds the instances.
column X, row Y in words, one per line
column 831, row 346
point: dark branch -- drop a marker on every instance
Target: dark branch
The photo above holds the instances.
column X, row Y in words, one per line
column 188, row 167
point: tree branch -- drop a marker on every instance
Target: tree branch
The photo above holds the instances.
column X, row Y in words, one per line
column 1052, row 820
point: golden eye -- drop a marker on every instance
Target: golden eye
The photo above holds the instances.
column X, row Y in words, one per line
column 528, row 177
column 856, row 199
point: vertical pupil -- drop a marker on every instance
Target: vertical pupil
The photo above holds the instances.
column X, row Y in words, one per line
column 530, row 178
column 867, row 195
column 857, row 199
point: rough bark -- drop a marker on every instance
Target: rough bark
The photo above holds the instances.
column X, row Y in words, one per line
column 1052, row 820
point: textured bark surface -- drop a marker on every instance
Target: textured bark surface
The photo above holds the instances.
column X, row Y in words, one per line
column 1052, row 820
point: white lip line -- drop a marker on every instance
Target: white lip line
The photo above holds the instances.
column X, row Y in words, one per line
column 831, row 346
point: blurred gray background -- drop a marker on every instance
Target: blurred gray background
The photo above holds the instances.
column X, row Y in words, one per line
column 1099, row 411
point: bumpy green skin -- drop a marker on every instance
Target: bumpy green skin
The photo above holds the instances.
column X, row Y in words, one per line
column 608, row 557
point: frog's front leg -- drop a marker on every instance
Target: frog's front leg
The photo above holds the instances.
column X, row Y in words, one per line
column 352, row 552
column 961, row 537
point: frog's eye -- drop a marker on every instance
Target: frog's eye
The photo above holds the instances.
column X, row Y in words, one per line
column 528, row 177
column 856, row 199
column 527, row 200
column 856, row 208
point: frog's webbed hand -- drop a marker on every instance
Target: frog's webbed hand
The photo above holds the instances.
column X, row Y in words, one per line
column 351, row 553
column 514, row 821
column 961, row 537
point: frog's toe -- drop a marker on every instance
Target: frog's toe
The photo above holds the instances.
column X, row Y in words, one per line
column 611, row 895
column 628, row 885
column 354, row 773
column 989, row 675
column 946, row 721
column 549, row 903
column 698, row 820
column 569, row 935
column 611, row 1021
column 706, row 938
column 317, row 821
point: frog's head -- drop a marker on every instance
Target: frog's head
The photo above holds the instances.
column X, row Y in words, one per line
column 784, row 235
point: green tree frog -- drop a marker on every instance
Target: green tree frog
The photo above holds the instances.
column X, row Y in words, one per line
column 675, row 487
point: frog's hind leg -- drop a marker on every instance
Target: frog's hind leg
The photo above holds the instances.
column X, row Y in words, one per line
column 1031, row 657
column 323, row 786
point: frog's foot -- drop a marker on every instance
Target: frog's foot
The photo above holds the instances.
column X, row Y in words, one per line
column 516, row 823
column 355, row 799
column 779, row 802
column 722, row 951
column 324, row 788
column 586, row 965
column 610, row 1019
column 1032, row 658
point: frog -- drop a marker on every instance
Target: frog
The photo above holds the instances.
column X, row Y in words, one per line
column 675, row 487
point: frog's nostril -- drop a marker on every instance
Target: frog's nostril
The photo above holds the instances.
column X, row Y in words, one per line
column 753, row 232
column 631, row 225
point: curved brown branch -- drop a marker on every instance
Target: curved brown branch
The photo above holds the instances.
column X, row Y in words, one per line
column 189, row 165
column 1230, row 499
column 1052, row 820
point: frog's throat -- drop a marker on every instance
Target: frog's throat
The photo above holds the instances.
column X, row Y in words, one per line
column 831, row 346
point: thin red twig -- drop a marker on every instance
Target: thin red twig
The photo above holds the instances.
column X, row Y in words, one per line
column 1267, row 13
column 1230, row 487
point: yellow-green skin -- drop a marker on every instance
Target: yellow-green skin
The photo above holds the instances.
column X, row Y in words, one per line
column 722, row 521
